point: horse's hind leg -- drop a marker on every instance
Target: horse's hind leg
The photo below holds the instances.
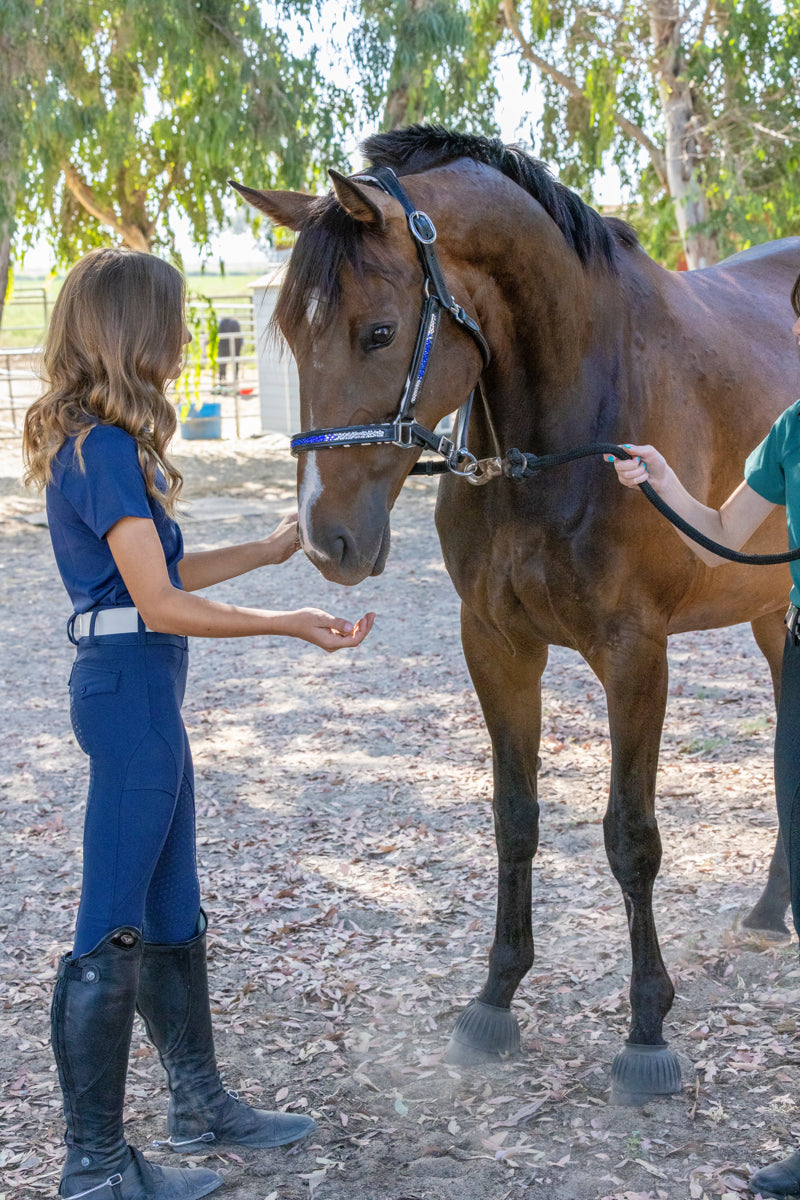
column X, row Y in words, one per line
column 770, row 909
column 634, row 675
column 509, row 689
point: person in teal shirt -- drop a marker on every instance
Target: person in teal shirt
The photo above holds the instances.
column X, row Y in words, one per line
column 771, row 477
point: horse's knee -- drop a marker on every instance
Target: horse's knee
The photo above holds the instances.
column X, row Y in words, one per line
column 517, row 830
column 633, row 847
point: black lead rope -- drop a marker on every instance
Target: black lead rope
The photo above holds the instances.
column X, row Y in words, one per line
column 517, row 465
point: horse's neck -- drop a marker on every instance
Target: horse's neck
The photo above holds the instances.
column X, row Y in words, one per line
column 561, row 372
column 565, row 337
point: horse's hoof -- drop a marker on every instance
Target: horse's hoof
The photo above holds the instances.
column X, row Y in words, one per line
column 482, row 1032
column 766, row 920
column 640, row 1073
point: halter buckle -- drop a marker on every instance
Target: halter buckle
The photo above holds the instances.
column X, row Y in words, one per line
column 422, row 227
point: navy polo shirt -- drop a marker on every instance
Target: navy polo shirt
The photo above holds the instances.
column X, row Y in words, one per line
column 82, row 505
column 773, row 470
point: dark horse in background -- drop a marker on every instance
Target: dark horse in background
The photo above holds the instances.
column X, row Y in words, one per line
column 591, row 341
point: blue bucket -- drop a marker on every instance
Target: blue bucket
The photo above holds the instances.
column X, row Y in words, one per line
column 202, row 421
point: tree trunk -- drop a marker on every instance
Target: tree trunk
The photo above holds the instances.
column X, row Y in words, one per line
column 5, row 266
column 401, row 84
column 132, row 236
column 10, row 151
column 685, row 148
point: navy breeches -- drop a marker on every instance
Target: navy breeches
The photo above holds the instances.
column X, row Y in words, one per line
column 139, row 864
column 787, row 768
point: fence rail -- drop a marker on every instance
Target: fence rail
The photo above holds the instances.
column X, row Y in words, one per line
column 231, row 382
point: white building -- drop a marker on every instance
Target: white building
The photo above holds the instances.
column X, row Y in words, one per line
column 278, row 385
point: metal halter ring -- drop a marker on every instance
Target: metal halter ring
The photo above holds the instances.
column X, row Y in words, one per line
column 462, row 455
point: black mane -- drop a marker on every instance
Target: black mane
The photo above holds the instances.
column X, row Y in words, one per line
column 331, row 237
column 421, row 147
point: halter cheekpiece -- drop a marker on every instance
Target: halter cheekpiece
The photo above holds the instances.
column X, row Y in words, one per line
column 404, row 430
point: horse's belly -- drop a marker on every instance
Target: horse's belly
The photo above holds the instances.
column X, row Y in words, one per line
column 729, row 595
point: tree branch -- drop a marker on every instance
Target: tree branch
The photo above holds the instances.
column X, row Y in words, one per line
column 707, row 15
column 574, row 89
column 132, row 236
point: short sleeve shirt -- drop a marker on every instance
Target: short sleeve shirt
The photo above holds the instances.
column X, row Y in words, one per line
column 83, row 505
column 773, row 470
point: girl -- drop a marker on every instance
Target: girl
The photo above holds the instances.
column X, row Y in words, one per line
column 771, row 477
column 96, row 441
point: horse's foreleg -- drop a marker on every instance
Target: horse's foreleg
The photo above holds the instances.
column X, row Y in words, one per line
column 770, row 909
column 509, row 689
column 635, row 679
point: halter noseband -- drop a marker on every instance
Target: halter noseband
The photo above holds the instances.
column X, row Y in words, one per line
column 404, row 430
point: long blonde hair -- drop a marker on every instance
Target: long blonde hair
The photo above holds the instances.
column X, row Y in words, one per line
column 114, row 342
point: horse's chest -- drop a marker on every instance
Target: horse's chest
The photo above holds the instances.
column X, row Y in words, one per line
column 526, row 586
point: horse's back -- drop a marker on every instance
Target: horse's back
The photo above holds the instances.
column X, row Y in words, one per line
column 783, row 249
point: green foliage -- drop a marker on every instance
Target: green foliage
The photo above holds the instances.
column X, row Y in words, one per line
column 155, row 103
column 426, row 60
column 203, row 324
column 741, row 59
column 749, row 78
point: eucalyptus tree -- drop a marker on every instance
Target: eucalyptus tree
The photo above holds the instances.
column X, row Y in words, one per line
column 137, row 110
column 15, row 47
column 697, row 103
column 424, row 60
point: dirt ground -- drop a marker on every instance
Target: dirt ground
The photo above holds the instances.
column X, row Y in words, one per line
column 348, row 870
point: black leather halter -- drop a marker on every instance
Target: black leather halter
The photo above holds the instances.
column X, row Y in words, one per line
column 404, row 430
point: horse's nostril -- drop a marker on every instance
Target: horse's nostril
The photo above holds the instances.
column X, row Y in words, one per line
column 340, row 549
column 344, row 556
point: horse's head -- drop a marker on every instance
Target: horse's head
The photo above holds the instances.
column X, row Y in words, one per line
column 350, row 310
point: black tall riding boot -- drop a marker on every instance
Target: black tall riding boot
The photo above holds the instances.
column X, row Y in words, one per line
column 780, row 1180
column 91, row 1020
column 173, row 1001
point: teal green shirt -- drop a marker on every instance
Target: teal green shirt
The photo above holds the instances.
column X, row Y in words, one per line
column 773, row 470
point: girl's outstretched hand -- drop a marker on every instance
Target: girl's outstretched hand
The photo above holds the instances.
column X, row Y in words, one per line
column 329, row 633
column 647, row 466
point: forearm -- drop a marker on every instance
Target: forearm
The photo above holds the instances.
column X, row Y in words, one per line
column 174, row 611
column 731, row 525
column 708, row 521
column 204, row 568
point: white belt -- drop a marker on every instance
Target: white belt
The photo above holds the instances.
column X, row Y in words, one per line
column 108, row 621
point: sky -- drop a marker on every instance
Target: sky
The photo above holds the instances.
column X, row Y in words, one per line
column 517, row 113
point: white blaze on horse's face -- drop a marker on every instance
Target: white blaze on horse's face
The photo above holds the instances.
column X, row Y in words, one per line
column 311, row 312
column 311, row 308
column 310, row 492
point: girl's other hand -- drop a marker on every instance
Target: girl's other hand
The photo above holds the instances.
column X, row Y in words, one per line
column 284, row 541
column 327, row 632
column 647, row 466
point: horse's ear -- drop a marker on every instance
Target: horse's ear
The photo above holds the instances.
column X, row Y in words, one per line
column 359, row 201
column 284, row 208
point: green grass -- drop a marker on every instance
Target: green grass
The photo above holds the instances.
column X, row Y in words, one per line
column 23, row 322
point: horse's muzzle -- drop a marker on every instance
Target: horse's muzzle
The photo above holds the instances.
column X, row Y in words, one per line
column 342, row 559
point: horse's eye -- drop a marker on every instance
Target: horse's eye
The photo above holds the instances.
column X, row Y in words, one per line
column 379, row 335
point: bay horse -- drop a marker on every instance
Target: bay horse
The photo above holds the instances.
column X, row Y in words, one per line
column 577, row 336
